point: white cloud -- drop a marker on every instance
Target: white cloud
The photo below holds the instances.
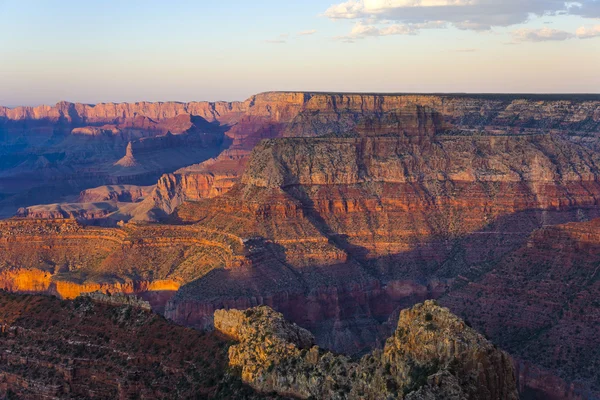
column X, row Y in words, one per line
column 588, row 33
column 362, row 30
column 307, row 33
column 540, row 35
column 464, row 14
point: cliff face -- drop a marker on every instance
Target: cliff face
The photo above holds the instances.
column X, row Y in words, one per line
column 63, row 258
column 432, row 354
column 340, row 232
column 272, row 115
column 95, row 134
column 368, row 215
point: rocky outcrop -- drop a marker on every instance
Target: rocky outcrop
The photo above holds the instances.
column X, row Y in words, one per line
column 432, row 354
column 84, row 212
column 204, row 181
column 118, row 193
column 105, row 205
column 119, row 299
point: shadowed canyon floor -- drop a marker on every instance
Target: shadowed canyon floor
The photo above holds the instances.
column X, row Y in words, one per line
column 354, row 207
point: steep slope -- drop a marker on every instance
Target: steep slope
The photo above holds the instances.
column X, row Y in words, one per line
column 377, row 222
column 540, row 303
column 432, row 354
column 56, row 349
column 270, row 115
column 66, row 259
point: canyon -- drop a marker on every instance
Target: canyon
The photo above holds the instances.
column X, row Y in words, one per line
column 337, row 210
column 77, row 145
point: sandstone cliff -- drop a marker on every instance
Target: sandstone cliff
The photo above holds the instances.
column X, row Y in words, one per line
column 432, row 354
column 62, row 257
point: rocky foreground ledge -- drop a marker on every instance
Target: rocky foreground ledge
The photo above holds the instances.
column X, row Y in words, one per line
column 432, row 355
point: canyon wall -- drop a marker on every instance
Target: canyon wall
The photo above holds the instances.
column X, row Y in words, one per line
column 271, row 115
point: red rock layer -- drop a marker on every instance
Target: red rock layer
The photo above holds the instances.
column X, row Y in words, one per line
column 53, row 349
column 541, row 302
column 61, row 257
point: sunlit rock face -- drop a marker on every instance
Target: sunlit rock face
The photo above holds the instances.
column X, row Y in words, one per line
column 432, row 354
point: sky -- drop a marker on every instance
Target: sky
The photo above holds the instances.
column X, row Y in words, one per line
column 149, row 50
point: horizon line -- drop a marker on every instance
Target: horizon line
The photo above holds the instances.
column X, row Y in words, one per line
column 557, row 95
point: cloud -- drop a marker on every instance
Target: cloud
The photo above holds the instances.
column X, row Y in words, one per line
column 586, row 9
column 307, row 33
column 588, row 33
column 540, row 35
column 463, row 14
column 362, row 30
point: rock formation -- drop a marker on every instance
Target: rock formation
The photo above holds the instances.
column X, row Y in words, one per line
column 66, row 259
column 49, row 160
column 432, row 354
column 272, row 115
column 118, row 300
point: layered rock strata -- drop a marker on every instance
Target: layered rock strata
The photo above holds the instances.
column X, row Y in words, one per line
column 540, row 302
column 104, row 130
column 52, row 349
column 272, row 115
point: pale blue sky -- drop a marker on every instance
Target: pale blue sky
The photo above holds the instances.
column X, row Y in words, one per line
column 108, row 50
